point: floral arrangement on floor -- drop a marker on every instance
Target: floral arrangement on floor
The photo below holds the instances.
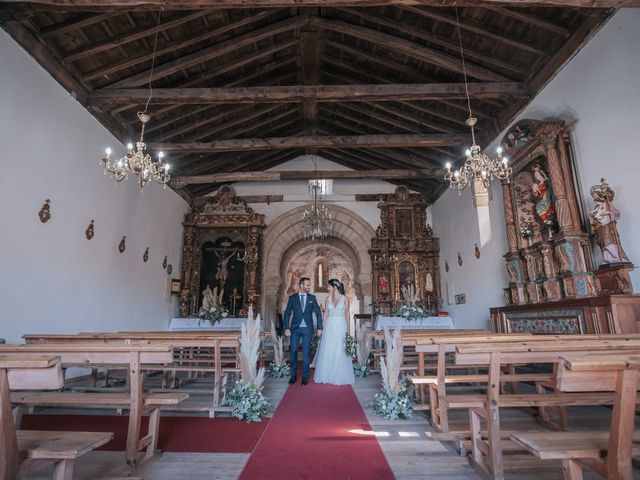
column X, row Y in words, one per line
column 248, row 403
column 410, row 310
column 363, row 351
column 246, row 399
column 278, row 368
column 315, row 340
column 396, row 399
column 350, row 346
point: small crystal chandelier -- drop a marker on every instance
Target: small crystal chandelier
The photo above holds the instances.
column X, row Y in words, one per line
column 317, row 220
column 478, row 167
column 138, row 161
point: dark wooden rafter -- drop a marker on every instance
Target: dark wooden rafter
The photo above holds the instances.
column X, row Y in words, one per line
column 75, row 23
column 214, row 51
column 531, row 20
column 318, row 93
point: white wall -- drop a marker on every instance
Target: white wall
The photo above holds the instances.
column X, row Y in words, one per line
column 52, row 278
column 296, row 193
column 598, row 89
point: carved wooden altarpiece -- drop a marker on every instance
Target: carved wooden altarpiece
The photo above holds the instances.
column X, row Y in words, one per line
column 549, row 257
column 226, row 225
column 404, row 251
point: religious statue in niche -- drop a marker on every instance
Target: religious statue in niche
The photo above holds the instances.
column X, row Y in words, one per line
column 383, row 284
column 235, row 302
column 407, row 274
column 603, row 219
column 208, row 299
column 403, row 223
column 223, row 267
column 545, row 209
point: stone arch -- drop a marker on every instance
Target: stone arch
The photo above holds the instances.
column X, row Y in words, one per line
column 286, row 230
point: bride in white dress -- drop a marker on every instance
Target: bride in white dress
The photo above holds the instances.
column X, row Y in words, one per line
column 332, row 364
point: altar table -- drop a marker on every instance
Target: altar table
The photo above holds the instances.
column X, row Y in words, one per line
column 425, row 323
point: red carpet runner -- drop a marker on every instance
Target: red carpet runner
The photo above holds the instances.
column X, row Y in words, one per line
column 177, row 434
column 318, row 432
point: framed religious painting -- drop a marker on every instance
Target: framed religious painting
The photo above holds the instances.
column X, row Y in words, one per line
column 403, row 222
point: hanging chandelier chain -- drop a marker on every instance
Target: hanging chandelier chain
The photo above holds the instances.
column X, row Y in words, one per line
column 153, row 63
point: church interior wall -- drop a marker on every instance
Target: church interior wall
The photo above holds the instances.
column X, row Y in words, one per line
column 597, row 90
column 54, row 279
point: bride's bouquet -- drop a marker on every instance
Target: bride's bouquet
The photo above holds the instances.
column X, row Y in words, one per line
column 350, row 346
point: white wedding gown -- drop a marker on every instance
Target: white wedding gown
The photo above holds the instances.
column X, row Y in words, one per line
column 332, row 364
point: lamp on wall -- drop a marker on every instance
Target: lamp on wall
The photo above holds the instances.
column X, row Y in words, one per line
column 138, row 161
column 477, row 167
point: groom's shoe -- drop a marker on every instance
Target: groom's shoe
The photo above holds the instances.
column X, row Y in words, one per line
column 305, row 381
column 292, row 380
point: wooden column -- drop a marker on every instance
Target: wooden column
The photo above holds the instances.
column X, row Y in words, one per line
column 509, row 218
column 187, row 262
column 549, row 136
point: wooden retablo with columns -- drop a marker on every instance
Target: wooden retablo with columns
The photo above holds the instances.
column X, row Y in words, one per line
column 222, row 248
column 404, row 251
column 549, row 255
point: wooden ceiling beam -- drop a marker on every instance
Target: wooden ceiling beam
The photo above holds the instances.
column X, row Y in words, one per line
column 177, row 45
column 531, row 19
column 411, row 49
column 75, row 23
column 209, row 53
column 339, row 141
column 477, row 28
column 318, row 93
column 310, row 73
column 439, row 40
column 138, row 5
column 129, row 37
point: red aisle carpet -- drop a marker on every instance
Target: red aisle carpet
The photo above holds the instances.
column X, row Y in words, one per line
column 177, row 434
column 313, row 435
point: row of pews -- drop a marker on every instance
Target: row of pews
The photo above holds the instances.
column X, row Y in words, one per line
column 484, row 373
column 33, row 375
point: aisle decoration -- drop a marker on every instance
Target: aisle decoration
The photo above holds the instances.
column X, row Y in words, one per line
column 349, row 346
column 396, row 399
column 278, row 368
column 363, row 351
column 212, row 309
column 411, row 310
column 246, row 399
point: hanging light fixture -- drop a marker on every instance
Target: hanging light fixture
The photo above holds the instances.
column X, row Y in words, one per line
column 317, row 220
column 138, row 161
column 477, row 166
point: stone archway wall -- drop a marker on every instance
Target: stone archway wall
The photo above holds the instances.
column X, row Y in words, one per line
column 286, row 231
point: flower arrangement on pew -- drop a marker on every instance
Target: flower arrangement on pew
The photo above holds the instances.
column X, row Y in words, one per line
column 410, row 310
column 278, row 368
column 246, row 399
column 212, row 309
column 396, row 399
column 350, row 346
column 363, row 351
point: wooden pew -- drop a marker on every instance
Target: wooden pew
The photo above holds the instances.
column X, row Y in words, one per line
column 594, row 373
column 138, row 403
column 183, row 361
column 487, row 453
column 24, row 452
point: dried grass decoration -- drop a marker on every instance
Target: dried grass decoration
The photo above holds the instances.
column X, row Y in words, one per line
column 278, row 368
column 396, row 399
column 363, row 352
column 246, row 399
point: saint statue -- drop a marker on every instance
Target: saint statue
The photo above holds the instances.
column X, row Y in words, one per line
column 603, row 220
column 235, row 300
column 542, row 193
column 208, row 299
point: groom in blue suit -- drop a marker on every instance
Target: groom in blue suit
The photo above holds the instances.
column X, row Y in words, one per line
column 302, row 305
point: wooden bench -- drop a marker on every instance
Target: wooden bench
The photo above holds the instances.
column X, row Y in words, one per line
column 24, row 452
column 137, row 403
column 608, row 453
column 487, row 453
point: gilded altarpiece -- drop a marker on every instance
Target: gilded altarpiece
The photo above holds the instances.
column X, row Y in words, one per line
column 224, row 235
column 404, row 252
column 549, row 257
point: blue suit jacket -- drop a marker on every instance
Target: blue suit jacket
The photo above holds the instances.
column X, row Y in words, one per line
column 294, row 307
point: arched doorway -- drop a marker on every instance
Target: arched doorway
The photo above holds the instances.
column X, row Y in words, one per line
column 283, row 239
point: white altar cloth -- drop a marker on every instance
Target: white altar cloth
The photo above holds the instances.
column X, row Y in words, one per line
column 195, row 324
column 426, row 323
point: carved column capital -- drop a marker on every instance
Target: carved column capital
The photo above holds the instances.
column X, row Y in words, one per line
column 548, row 135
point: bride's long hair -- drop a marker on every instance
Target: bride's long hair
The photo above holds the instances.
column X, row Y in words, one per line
column 337, row 284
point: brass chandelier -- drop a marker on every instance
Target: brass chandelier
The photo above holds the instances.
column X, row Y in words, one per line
column 138, row 161
column 477, row 167
column 317, row 221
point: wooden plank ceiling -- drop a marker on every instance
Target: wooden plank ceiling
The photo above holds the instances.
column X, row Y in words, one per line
column 245, row 89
